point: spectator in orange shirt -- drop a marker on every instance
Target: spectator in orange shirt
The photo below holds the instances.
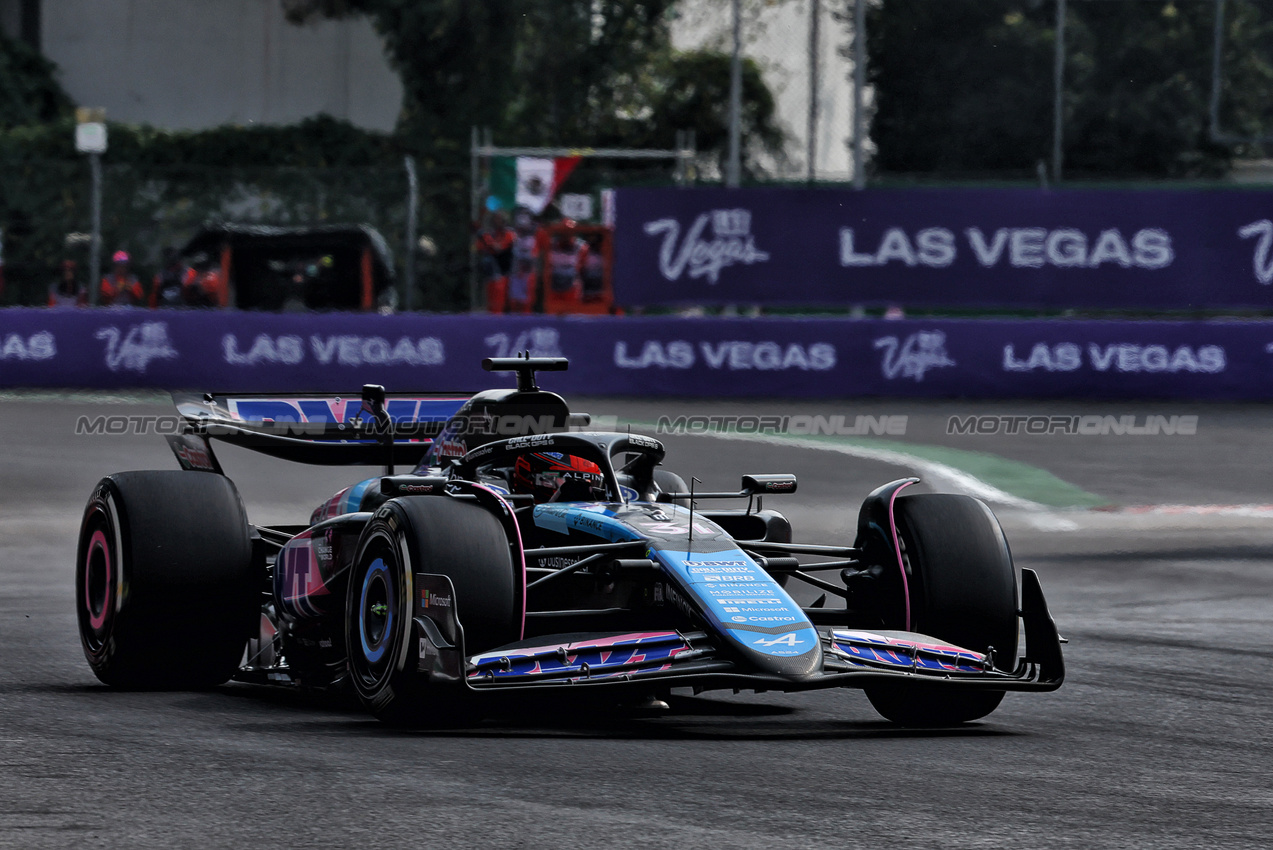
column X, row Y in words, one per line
column 495, row 244
column 121, row 288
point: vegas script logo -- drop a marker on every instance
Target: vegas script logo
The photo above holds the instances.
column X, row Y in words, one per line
column 732, row 244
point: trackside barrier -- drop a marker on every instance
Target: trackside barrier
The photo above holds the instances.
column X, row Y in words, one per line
column 1150, row 249
column 808, row 358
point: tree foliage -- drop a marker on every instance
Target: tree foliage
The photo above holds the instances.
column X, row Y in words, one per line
column 571, row 73
column 965, row 86
column 29, row 90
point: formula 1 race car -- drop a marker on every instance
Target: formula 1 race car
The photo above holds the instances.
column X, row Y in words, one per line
column 556, row 560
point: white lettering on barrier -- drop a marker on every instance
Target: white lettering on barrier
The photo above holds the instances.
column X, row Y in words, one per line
column 733, row 355
column 37, row 346
column 1260, row 260
column 911, row 359
column 349, row 350
column 133, row 351
column 1117, row 357
column 288, row 350
column 733, row 245
column 540, row 342
column 1023, row 247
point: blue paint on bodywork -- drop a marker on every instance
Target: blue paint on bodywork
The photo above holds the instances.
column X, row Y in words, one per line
column 739, row 599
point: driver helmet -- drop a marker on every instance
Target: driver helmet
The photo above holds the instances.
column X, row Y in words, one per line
column 550, row 476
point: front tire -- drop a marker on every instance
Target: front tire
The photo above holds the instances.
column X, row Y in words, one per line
column 962, row 589
column 165, row 585
column 424, row 534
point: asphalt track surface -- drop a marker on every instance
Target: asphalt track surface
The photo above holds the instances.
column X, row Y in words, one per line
column 1159, row 738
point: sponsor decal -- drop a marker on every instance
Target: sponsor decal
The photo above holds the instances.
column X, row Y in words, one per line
column 914, row 356
column 299, row 581
column 531, row 440
column 135, row 349
column 731, row 243
column 429, row 599
column 195, row 457
column 37, row 346
column 693, row 564
column 644, row 442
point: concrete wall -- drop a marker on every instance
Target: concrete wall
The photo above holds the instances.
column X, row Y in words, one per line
column 190, row 64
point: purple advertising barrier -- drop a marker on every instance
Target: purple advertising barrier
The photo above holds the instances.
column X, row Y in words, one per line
column 1023, row 248
column 776, row 357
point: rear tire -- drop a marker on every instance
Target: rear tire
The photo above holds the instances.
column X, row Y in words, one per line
column 426, row 534
column 963, row 589
column 166, row 593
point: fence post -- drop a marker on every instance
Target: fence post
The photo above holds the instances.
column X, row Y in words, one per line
column 859, row 83
column 1058, row 93
column 815, row 12
column 734, row 165
column 413, row 194
column 95, row 242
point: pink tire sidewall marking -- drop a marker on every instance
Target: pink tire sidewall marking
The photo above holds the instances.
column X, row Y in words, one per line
column 98, row 541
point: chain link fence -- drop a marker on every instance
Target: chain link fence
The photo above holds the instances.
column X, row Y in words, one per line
column 147, row 209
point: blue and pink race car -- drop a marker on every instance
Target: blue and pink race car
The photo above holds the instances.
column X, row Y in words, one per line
column 525, row 553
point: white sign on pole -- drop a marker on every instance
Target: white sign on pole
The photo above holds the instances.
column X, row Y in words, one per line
column 578, row 207
column 90, row 137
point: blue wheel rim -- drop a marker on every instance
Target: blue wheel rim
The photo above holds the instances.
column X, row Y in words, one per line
column 373, row 648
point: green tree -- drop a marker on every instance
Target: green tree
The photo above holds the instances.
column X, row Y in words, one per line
column 965, row 86
column 29, row 90
column 576, row 73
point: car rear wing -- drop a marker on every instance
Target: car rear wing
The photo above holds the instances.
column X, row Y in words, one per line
column 371, row 428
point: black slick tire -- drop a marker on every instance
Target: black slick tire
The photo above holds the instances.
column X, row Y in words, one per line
column 963, row 589
column 424, row 534
column 166, row 594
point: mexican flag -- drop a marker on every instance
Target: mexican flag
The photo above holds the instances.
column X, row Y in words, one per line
column 528, row 181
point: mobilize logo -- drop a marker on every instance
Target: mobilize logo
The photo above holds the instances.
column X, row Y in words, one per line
column 733, row 245
column 1090, row 425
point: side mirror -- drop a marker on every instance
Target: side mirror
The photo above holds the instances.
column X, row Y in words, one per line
column 758, row 485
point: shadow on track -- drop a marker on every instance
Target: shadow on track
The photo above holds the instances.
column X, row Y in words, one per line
column 686, row 718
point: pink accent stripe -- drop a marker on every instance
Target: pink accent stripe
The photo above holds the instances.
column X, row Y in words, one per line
column 521, row 554
column 576, row 647
column 98, row 541
column 901, row 567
